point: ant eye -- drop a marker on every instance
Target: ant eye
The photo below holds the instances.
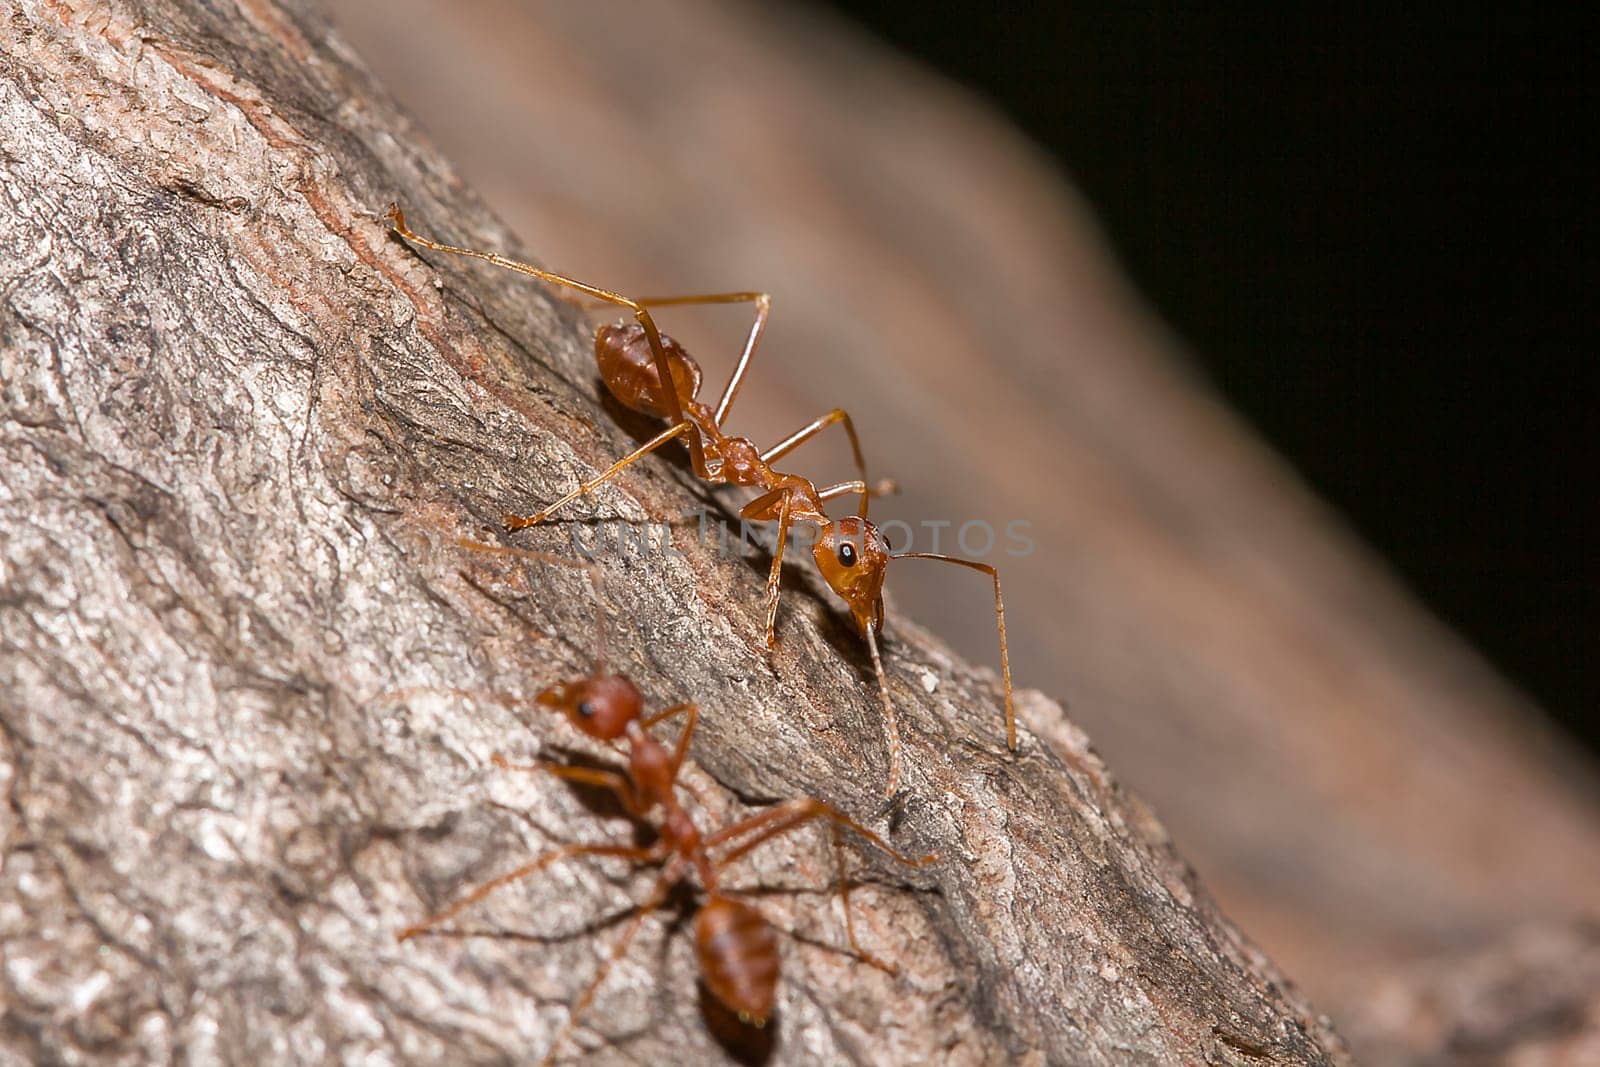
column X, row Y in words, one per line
column 847, row 554
column 586, row 709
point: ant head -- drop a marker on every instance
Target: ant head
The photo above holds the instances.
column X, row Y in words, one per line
column 853, row 555
column 601, row 707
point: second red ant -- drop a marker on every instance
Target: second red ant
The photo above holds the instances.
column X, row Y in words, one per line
column 735, row 945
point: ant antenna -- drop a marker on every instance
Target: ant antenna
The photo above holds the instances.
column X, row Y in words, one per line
column 1000, row 619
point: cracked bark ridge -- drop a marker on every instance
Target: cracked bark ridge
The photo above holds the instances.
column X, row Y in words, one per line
column 242, row 429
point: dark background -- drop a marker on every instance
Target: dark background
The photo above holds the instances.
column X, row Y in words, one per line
column 1375, row 230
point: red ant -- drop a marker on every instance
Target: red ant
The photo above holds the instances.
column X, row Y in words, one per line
column 636, row 360
column 737, row 948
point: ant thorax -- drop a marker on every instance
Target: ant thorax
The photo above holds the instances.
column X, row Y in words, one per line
column 679, row 833
column 650, row 766
column 741, row 461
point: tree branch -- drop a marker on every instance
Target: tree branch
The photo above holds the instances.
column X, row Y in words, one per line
column 243, row 429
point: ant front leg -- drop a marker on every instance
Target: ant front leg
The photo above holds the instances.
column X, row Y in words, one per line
column 776, row 574
column 682, row 749
column 891, row 724
column 761, row 509
column 591, row 776
column 1000, row 625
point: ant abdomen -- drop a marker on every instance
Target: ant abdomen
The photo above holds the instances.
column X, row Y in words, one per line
column 628, row 367
column 738, row 952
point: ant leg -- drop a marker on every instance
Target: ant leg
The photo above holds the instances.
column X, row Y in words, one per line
column 688, row 707
column 518, row 522
column 616, row 783
column 776, row 574
column 789, row 816
column 763, row 303
column 397, row 219
column 658, row 896
column 760, row 508
column 637, row 855
column 844, row 488
column 595, row 776
column 1000, row 619
column 682, row 748
column 887, row 487
column 849, row 921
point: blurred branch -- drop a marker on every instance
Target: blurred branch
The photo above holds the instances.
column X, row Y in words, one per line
column 1530, row 996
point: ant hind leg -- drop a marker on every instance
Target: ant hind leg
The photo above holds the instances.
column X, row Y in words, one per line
column 658, row 896
column 397, row 220
column 637, row 855
column 849, row 920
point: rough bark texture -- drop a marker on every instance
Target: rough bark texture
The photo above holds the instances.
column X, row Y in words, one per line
column 241, row 428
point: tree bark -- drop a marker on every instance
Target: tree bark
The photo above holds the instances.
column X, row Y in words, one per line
column 243, row 429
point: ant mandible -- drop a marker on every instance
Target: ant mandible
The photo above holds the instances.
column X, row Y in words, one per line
column 635, row 360
column 735, row 945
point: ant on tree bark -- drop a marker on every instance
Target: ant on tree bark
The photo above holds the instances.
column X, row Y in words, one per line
column 648, row 372
column 736, row 946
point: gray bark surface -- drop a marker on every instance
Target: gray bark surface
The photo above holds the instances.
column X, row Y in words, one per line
column 242, row 429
